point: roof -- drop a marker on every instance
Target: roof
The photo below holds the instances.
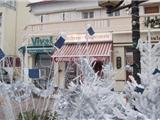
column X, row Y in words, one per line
column 40, row 2
column 49, row 1
column 149, row 2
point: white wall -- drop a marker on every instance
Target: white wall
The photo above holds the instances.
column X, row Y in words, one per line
column 23, row 18
column 8, row 30
column 53, row 11
column 62, row 6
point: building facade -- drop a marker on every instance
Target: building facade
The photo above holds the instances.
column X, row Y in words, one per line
column 71, row 18
column 13, row 19
column 8, row 36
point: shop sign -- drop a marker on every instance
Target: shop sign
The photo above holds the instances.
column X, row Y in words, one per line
column 155, row 38
column 67, row 59
column 39, row 50
column 152, row 21
column 42, row 41
column 98, row 37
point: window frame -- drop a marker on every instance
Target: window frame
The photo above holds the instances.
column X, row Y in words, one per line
column 87, row 14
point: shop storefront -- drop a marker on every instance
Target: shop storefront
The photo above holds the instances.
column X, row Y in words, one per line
column 98, row 47
column 37, row 54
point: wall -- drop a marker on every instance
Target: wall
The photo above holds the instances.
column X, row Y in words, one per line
column 120, row 74
column 2, row 9
column 8, row 30
column 23, row 19
column 68, row 16
column 119, row 52
column 53, row 11
column 62, row 6
column 123, row 38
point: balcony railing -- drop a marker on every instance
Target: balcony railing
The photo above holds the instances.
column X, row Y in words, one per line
column 110, row 24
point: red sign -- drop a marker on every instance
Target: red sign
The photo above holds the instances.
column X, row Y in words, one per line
column 67, row 59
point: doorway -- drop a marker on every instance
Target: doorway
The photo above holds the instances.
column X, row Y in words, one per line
column 97, row 67
column 129, row 61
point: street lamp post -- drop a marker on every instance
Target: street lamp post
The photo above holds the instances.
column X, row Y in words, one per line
column 135, row 38
column 113, row 6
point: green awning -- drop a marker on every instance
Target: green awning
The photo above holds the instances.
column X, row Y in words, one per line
column 36, row 49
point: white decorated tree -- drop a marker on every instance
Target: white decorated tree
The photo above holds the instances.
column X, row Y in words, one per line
column 93, row 98
column 144, row 98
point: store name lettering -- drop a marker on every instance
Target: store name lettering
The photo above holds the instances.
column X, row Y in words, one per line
column 153, row 22
column 155, row 38
column 83, row 37
column 42, row 41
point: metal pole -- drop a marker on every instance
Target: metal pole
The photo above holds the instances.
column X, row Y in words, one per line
column 135, row 38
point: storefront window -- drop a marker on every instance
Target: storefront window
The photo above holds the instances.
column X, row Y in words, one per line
column 73, row 73
column 43, row 60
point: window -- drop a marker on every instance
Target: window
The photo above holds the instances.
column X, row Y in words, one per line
column 117, row 13
column 86, row 15
column 72, row 72
column 129, row 55
column 43, row 60
column 91, row 14
column 0, row 19
column 44, row 18
column 110, row 14
column 63, row 16
column 41, row 18
column 17, row 62
column 129, row 61
column 8, row 62
column 151, row 9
